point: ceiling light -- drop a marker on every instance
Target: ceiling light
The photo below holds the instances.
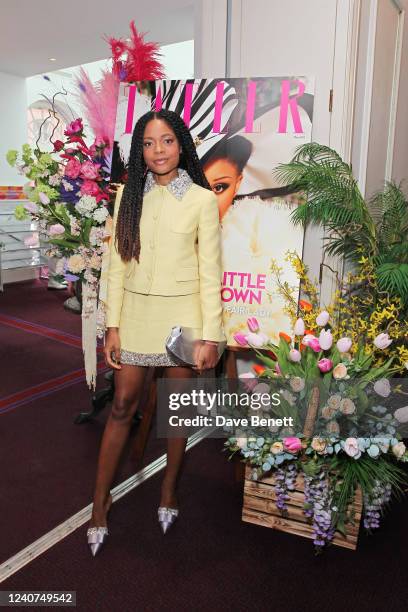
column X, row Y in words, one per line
column 52, row 59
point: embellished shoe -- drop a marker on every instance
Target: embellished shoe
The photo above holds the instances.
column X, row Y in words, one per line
column 167, row 516
column 96, row 538
column 97, row 535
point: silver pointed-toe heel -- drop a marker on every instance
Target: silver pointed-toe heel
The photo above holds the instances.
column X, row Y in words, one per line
column 96, row 538
column 167, row 516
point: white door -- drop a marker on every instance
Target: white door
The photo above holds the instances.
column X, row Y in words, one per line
column 271, row 37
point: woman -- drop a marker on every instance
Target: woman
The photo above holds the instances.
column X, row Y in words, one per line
column 223, row 168
column 164, row 270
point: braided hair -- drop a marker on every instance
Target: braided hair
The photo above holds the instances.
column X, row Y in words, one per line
column 130, row 211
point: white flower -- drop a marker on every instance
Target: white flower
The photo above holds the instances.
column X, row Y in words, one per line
column 54, row 180
column 297, row 384
column 351, row 448
column 67, row 186
column 333, row 427
column 382, row 341
column 340, row 371
column 295, row 355
column 100, row 214
column 76, row 263
column 86, row 205
column 96, row 236
column 344, row 345
column 328, row 412
column 325, row 339
column 322, row 318
column 334, row 401
column 382, row 387
column 299, row 328
column 276, row 448
column 257, row 340
column 241, row 442
column 402, row 414
column 347, row 406
column 307, row 338
column 399, row 449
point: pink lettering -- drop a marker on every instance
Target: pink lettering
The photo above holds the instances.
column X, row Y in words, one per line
column 285, row 103
column 250, row 110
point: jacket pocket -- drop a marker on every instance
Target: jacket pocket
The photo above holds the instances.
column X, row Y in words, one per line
column 186, row 274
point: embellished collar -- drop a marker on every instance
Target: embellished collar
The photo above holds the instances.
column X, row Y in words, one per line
column 177, row 186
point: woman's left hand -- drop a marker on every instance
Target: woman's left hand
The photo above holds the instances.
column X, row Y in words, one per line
column 207, row 357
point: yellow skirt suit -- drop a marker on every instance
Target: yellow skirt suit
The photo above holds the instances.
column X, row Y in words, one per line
column 178, row 278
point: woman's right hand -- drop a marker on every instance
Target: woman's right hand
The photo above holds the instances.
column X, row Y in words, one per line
column 111, row 349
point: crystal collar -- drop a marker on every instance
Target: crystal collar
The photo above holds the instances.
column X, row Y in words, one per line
column 177, row 186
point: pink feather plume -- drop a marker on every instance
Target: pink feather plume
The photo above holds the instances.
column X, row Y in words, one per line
column 136, row 60
column 99, row 102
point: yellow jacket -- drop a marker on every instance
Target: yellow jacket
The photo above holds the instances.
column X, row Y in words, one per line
column 180, row 251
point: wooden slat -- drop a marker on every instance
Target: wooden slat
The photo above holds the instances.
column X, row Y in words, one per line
column 292, row 526
column 293, row 512
column 259, row 507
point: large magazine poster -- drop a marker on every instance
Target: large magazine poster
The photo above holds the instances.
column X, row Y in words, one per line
column 243, row 128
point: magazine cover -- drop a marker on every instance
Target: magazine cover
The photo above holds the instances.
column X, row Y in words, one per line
column 242, row 128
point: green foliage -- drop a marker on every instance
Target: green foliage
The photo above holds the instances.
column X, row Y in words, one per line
column 12, row 157
column 20, row 213
column 377, row 229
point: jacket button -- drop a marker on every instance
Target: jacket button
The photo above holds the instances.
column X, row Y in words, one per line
column 151, row 245
column 155, row 216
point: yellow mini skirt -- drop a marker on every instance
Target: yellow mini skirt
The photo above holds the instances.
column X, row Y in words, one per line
column 146, row 322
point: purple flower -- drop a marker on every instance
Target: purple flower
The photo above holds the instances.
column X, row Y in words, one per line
column 69, row 189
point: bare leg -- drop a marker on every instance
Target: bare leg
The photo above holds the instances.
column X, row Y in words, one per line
column 175, row 450
column 128, row 387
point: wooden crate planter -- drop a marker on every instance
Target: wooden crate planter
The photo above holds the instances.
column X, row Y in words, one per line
column 259, row 508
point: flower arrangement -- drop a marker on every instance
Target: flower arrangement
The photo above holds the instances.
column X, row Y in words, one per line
column 68, row 197
column 336, row 386
column 68, row 192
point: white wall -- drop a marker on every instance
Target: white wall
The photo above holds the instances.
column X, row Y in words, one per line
column 13, row 123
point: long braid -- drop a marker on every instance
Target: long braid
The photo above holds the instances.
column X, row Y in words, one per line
column 130, row 211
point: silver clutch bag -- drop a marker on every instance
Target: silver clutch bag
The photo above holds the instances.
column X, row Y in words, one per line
column 183, row 344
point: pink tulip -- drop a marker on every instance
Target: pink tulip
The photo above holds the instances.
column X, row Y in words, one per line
column 240, row 339
column 56, row 229
column 325, row 339
column 322, row 318
column 314, row 345
column 253, row 324
column 344, row 345
column 31, row 207
column 299, row 328
column 44, row 199
column 382, row 341
column 72, row 169
column 325, row 365
column 292, row 444
column 294, row 355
